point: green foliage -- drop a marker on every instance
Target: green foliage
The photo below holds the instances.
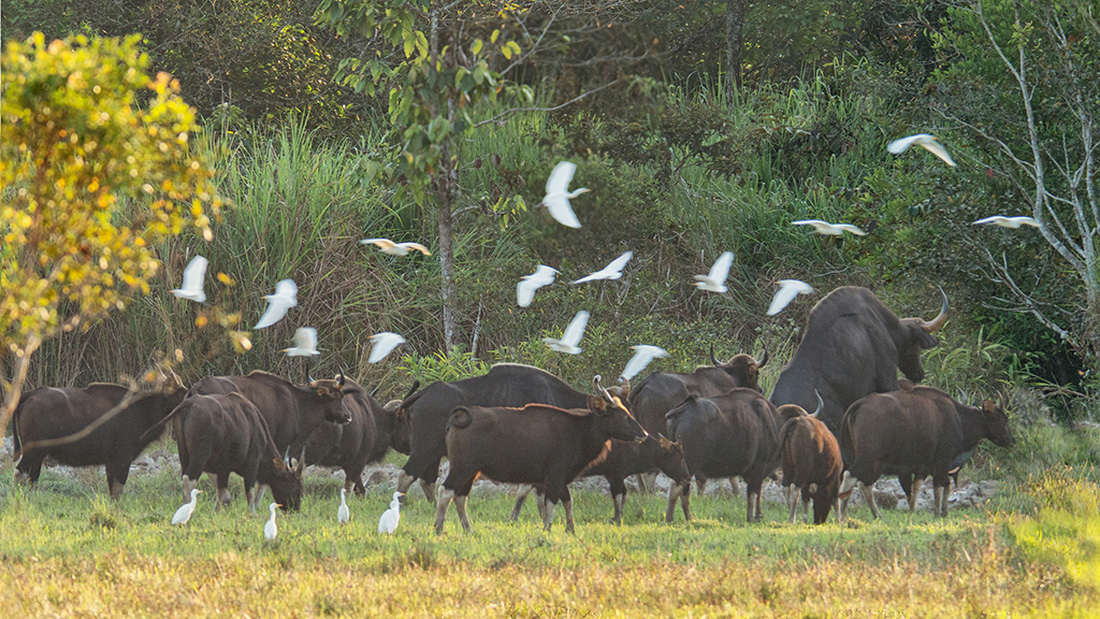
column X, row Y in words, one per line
column 92, row 180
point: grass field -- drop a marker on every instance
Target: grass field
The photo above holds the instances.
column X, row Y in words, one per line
column 69, row 551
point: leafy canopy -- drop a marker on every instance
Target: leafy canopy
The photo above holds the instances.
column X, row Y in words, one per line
column 91, row 179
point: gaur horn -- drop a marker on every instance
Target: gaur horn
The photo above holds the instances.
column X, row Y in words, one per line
column 301, row 461
column 713, row 360
column 820, row 405
column 938, row 322
column 763, row 360
column 340, row 381
column 600, row 388
column 286, row 456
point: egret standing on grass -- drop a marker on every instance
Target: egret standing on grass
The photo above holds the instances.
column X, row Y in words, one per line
column 824, row 227
column 715, row 280
column 382, row 344
column 343, row 515
column 558, row 195
column 928, row 142
column 285, row 297
column 387, row 246
column 270, row 529
column 614, row 270
column 528, row 284
column 788, row 290
column 572, row 336
column 183, row 514
column 388, row 522
column 193, row 275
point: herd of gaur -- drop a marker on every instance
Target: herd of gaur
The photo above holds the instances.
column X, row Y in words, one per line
column 522, row 425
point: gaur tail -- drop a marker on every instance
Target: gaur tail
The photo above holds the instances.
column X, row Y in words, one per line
column 410, row 397
column 460, row 417
column 16, row 436
column 154, row 431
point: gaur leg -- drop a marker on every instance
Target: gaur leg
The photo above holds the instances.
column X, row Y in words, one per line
column 404, row 481
column 618, row 497
column 836, row 508
column 940, row 501
column 521, row 494
column 426, row 470
column 914, row 492
column 540, row 501
column 223, row 492
column 793, row 493
column 734, row 486
column 701, row 483
column 753, row 494
column 567, row 499
column 429, row 488
column 869, row 498
column 445, row 497
column 805, row 505
column 189, row 485
column 554, row 494
column 682, row 492
column 460, row 507
column 117, row 473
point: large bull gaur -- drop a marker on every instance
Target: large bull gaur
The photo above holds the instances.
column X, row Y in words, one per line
column 536, row 444
column 853, row 346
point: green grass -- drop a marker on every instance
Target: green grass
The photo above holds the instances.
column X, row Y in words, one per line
column 68, row 550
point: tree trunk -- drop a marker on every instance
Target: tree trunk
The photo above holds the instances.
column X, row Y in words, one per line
column 735, row 21
column 447, row 259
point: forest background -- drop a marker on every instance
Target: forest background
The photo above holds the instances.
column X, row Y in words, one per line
column 699, row 127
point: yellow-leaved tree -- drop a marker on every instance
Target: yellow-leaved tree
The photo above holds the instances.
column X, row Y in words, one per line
column 96, row 166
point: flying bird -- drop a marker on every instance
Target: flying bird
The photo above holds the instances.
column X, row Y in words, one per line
column 183, row 514
column 343, row 515
column 928, row 142
column 1009, row 222
column 572, row 336
column 611, row 271
column 558, row 195
column 396, row 249
column 388, row 522
column 643, row 354
column 788, row 290
column 383, row 344
column 715, row 280
column 193, row 275
column 824, row 227
column 285, row 297
column 270, row 529
column 305, row 343
column 528, row 284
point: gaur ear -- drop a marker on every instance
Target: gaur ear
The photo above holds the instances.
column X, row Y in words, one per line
column 279, row 465
column 989, row 407
column 663, row 442
column 597, row 404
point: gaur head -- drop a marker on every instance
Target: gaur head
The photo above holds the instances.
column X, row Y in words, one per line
column 744, row 369
column 286, row 482
column 400, row 438
column 996, row 424
column 671, row 460
column 614, row 414
column 330, row 391
column 916, row 336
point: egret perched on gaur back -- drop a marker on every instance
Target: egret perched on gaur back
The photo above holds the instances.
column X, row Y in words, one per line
column 928, row 142
column 614, row 270
column 343, row 514
column 285, row 297
column 715, row 280
column 382, row 344
column 824, row 227
column 525, row 289
column 643, row 354
column 558, row 195
column 1009, row 222
column 270, row 529
column 788, row 290
column 183, row 514
column 396, row 249
column 572, row 336
column 388, row 522
column 193, row 275
column 305, row 343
